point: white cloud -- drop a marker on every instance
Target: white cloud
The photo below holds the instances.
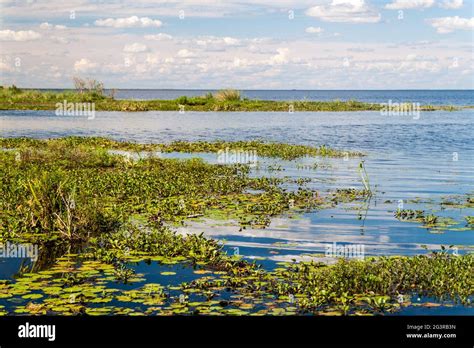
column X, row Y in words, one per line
column 47, row 26
column 11, row 35
column 129, row 22
column 135, row 48
column 185, row 53
column 314, row 30
column 451, row 4
column 253, row 61
column 350, row 11
column 280, row 58
column 217, row 42
column 238, row 62
column 445, row 25
column 85, row 65
column 415, row 64
column 5, row 67
column 152, row 8
column 158, row 37
column 231, row 41
column 152, row 59
column 409, row 4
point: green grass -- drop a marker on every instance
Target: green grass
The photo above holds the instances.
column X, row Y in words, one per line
column 71, row 194
column 227, row 95
column 225, row 100
column 74, row 188
column 263, row 149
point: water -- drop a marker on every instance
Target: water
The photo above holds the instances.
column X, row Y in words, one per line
column 424, row 97
column 428, row 160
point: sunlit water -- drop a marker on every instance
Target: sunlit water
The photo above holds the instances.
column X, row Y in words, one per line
column 427, row 158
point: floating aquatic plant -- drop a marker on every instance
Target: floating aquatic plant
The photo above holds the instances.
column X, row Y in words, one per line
column 111, row 213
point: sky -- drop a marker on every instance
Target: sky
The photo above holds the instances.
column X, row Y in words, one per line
column 261, row 44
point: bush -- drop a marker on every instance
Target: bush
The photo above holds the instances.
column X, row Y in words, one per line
column 227, row 95
column 183, row 100
column 15, row 90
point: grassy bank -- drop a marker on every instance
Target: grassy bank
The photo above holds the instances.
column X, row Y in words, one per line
column 95, row 214
column 226, row 100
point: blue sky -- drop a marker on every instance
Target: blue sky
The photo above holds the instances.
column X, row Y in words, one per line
column 280, row 44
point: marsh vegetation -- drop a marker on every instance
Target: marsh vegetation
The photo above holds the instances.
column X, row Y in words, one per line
column 105, row 214
column 13, row 98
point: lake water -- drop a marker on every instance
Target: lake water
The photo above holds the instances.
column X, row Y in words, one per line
column 415, row 162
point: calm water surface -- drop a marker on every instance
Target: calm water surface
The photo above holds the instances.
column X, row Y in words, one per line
column 428, row 159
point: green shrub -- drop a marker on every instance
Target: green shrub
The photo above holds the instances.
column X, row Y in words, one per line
column 227, row 95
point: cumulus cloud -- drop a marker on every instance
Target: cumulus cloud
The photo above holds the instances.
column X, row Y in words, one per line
column 280, row 58
column 59, row 39
column 314, row 30
column 47, row 26
column 185, row 53
column 414, row 63
column 230, row 41
column 350, row 11
column 445, row 25
column 85, row 65
column 129, row 22
column 158, row 37
column 22, row 35
column 409, row 4
column 451, row 4
column 214, row 42
column 212, row 60
column 135, row 48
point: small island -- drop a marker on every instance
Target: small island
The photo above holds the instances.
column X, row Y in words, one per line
column 92, row 91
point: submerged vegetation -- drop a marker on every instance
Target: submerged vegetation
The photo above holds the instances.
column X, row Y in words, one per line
column 106, row 212
column 354, row 286
column 225, row 285
column 428, row 220
column 13, row 98
column 74, row 145
column 74, row 188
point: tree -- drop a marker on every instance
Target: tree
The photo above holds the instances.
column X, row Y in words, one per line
column 89, row 85
column 79, row 84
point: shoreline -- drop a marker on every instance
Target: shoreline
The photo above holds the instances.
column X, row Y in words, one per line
column 127, row 105
column 228, row 100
